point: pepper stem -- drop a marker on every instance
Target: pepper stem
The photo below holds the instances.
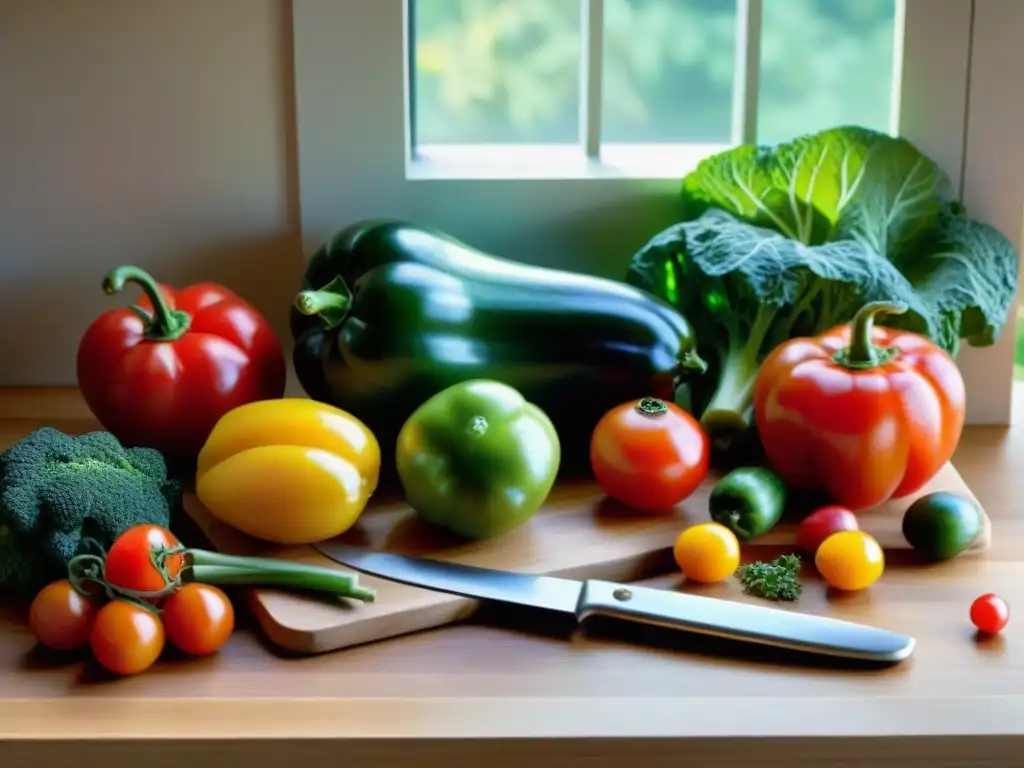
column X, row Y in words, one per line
column 734, row 520
column 165, row 324
column 651, row 406
column 691, row 361
column 331, row 302
column 861, row 352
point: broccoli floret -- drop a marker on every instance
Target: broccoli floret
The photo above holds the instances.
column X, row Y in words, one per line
column 21, row 571
column 58, row 491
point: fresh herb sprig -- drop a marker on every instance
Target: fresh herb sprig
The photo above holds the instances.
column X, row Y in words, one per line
column 777, row 580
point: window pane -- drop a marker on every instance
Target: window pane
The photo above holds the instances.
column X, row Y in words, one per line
column 504, row 71
column 824, row 63
column 668, row 70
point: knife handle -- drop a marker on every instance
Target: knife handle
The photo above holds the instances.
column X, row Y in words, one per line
column 742, row 621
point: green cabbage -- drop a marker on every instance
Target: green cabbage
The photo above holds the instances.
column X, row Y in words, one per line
column 792, row 239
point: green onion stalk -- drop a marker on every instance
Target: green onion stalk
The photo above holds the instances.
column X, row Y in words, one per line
column 179, row 565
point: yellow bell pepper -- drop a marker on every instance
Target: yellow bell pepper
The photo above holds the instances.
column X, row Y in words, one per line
column 290, row 471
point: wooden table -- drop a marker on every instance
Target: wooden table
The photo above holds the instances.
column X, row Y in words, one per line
column 518, row 693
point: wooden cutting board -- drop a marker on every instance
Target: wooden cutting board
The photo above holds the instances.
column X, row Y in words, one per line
column 579, row 533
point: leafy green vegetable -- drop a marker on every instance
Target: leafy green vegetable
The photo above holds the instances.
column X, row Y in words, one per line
column 747, row 289
column 791, row 240
column 777, row 580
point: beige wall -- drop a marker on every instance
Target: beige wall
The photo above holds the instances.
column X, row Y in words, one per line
column 141, row 131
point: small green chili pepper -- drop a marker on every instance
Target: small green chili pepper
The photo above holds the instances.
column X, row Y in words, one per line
column 749, row 501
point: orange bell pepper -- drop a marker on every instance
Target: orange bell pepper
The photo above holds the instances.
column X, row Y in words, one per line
column 862, row 412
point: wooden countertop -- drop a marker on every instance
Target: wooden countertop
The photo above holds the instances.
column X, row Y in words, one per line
column 517, row 693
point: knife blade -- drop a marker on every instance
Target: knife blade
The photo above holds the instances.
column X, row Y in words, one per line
column 666, row 608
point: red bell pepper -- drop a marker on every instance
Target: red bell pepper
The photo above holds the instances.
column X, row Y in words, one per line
column 162, row 372
column 862, row 412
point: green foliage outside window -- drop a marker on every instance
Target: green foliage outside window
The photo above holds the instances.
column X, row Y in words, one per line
column 508, row 70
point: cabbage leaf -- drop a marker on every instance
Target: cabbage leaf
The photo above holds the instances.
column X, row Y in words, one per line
column 792, row 239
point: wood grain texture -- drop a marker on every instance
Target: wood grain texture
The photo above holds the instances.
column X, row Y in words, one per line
column 579, row 533
column 516, row 690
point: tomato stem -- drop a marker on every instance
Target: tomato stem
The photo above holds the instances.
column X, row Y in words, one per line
column 165, row 324
column 861, row 352
column 88, row 569
column 331, row 302
column 651, row 406
column 215, row 568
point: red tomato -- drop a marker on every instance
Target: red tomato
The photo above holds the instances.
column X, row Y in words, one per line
column 822, row 523
column 60, row 617
column 165, row 380
column 129, row 562
column 198, row 619
column 125, row 638
column 649, row 454
column 990, row 613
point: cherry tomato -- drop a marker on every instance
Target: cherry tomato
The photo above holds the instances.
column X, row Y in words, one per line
column 60, row 617
column 649, row 454
column 821, row 524
column 125, row 638
column 198, row 619
column 850, row 560
column 707, row 552
column 129, row 563
column 990, row 613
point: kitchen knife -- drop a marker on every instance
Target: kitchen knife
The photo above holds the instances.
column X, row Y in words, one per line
column 665, row 608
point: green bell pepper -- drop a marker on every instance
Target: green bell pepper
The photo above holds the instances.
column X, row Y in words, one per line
column 477, row 459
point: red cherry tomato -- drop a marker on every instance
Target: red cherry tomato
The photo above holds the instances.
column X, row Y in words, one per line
column 198, row 619
column 649, row 454
column 60, row 617
column 821, row 524
column 990, row 613
column 129, row 562
column 125, row 638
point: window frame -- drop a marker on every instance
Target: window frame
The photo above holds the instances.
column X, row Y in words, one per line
column 958, row 104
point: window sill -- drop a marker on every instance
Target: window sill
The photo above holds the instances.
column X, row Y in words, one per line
column 483, row 162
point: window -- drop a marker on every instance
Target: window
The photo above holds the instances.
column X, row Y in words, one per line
column 556, row 131
column 549, row 88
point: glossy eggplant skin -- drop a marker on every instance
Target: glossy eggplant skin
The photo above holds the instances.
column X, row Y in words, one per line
column 391, row 313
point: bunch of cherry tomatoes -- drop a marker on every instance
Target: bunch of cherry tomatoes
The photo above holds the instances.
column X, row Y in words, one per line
column 126, row 636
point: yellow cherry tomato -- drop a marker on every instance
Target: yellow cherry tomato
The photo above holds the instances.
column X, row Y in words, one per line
column 850, row 560
column 707, row 552
column 290, row 471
